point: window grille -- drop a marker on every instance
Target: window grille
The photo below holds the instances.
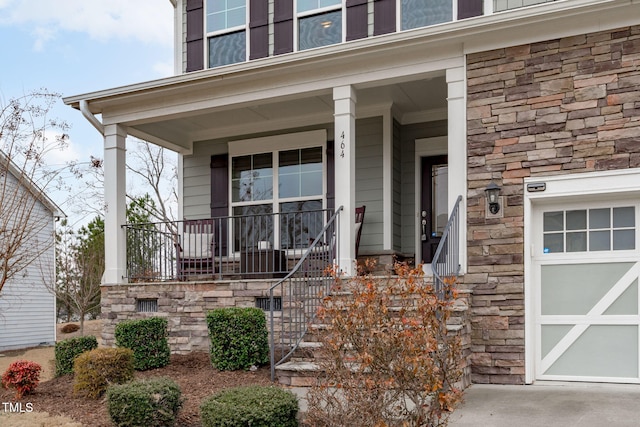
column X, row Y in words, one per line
column 147, row 305
column 263, row 303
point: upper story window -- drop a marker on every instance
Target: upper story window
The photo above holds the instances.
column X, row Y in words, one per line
column 319, row 23
column 226, row 31
column 422, row 13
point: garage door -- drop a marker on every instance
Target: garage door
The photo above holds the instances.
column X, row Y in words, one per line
column 586, row 267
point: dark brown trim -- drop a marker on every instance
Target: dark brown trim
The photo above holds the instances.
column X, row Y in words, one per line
column 357, row 19
column 469, row 8
column 258, row 29
column 331, row 178
column 220, row 197
column 384, row 17
column 195, row 35
column 283, row 27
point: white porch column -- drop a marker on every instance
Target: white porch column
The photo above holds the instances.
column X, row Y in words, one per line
column 457, row 150
column 344, row 98
column 115, row 204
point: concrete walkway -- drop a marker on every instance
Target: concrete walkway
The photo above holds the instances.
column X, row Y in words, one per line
column 549, row 405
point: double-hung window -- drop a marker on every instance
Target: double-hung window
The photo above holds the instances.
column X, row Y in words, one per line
column 277, row 196
column 422, row 13
column 319, row 23
column 226, row 31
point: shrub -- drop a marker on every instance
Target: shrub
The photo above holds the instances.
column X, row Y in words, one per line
column 239, row 338
column 390, row 364
column 95, row 370
column 67, row 350
column 150, row 403
column 148, row 340
column 23, row 376
column 256, row 406
column 69, row 328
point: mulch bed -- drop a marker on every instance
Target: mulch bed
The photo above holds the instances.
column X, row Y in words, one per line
column 193, row 373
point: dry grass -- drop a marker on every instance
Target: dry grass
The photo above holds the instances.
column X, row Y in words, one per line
column 31, row 419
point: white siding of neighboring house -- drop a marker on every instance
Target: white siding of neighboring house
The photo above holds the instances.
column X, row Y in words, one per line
column 27, row 307
column 197, row 180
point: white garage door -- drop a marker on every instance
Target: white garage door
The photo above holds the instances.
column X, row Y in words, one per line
column 586, row 266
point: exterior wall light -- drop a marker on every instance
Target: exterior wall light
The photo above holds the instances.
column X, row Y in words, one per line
column 491, row 193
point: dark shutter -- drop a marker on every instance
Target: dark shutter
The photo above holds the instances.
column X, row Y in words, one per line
column 331, row 176
column 220, row 199
column 283, row 26
column 357, row 19
column 469, row 8
column 384, row 17
column 195, row 35
column 258, row 29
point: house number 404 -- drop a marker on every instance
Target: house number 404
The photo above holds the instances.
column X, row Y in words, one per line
column 342, row 145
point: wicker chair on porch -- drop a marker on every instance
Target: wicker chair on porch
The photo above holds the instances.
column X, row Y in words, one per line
column 195, row 249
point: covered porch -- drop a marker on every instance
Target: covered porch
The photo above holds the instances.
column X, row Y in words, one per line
column 304, row 134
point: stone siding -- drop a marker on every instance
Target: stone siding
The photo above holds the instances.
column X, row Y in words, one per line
column 183, row 304
column 563, row 106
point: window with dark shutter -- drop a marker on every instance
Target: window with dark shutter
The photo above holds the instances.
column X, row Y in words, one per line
column 319, row 23
column 226, row 32
column 422, row 13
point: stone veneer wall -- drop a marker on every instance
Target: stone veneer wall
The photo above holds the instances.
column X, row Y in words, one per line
column 563, row 106
column 184, row 304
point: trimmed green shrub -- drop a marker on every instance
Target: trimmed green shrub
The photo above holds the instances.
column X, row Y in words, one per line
column 150, row 403
column 239, row 338
column 67, row 350
column 148, row 340
column 255, row 406
column 95, row 370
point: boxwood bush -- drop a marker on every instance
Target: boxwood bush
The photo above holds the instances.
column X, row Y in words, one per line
column 95, row 370
column 150, row 403
column 67, row 350
column 239, row 338
column 255, row 406
column 148, row 340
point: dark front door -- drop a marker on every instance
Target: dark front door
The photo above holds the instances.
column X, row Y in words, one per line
column 434, row 204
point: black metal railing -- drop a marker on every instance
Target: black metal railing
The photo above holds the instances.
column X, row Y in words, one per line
column 255, row 245
column 446, row 261
column 301, row 292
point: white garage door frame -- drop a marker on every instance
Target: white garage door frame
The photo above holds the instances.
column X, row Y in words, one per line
column 605, row 188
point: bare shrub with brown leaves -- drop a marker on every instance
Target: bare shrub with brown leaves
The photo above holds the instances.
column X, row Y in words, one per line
column 389, row 360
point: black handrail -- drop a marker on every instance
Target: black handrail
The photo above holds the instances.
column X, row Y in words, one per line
column 302, row 291
column 446, row 261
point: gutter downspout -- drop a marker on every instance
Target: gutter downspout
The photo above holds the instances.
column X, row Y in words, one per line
column 84, row 108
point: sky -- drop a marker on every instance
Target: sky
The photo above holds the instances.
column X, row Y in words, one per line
column 74, row 47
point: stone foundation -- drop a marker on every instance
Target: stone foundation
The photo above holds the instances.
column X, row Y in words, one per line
column 183, row 304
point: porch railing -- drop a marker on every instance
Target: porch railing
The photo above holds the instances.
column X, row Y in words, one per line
column 301, row 292
column 446, row 261
column 252, row 245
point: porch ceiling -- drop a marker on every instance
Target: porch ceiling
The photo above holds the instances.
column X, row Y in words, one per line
column 424, row 97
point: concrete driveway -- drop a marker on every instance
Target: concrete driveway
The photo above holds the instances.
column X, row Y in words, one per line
column 549, row 405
